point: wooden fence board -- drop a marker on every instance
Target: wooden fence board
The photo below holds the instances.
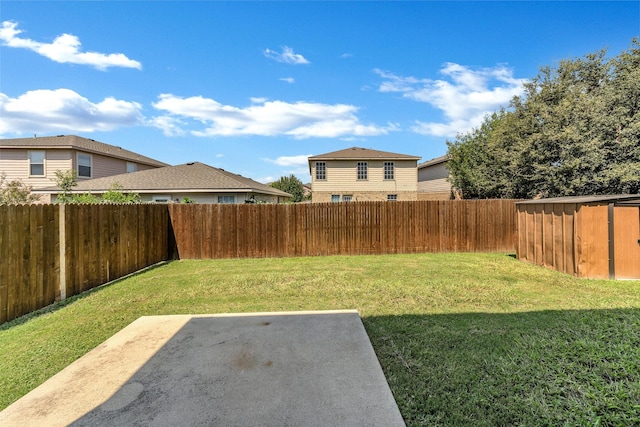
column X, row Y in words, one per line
column 232, row 231
column 104, row 242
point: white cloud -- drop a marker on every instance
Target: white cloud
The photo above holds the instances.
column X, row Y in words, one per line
column 170, row 126
column 64, row 110
column 464, row 96
column 270, row 118
column 288, row 56
column 291, row 160
column 288, row 79
column 266, row 179
column 64, row 49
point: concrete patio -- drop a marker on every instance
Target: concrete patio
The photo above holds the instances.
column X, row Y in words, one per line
column 258, row 369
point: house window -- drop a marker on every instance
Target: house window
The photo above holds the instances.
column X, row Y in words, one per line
column 389, row 171
column 131, row 167
column 335, row 198
column 347, row 198
column 226, row 199
column 161, row 199
column 85, row 165
column 362, row 171
column 321, row 171
column 392, row 197
column 36, row 163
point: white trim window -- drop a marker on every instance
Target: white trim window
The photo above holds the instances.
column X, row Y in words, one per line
column 347, row 198
column 131, row 167
column 226, row 199
column 389, row 171
column 36, row 163
column 85, row 165
column 363, row 171
column 321, row 171
column 335, row 198
column 392, row 197
column 161, row 199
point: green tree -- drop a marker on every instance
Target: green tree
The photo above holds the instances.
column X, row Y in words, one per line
column 292, row 185
column 574, row 131
column 117, row 196
column 15, row 192
column 65, row 181
column 83, row 199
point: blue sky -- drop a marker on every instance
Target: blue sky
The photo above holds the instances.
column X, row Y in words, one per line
column 256, row 87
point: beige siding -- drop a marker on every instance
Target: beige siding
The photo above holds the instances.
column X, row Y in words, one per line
column 434, row 178
column 107, row 166
column 364, row 196
column 15, row 163
column 342, row 177
column 434, row 186
column 433, row 172
column 141, row 167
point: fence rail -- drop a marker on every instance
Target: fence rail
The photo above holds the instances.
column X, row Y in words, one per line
column 51, row 252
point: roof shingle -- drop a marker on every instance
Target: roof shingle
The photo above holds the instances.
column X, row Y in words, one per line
column 185, row 177
column 78, row 143
column 357, row 153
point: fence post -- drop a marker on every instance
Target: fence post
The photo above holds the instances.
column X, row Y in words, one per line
column 63, row 250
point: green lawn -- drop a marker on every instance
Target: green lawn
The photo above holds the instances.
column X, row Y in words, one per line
column 464, row 339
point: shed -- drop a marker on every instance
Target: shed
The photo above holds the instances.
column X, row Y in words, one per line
column 586, row 236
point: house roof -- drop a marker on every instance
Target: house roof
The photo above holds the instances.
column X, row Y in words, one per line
column 189, row 177
column 357, row 153
column 74, row 142
column 434, row 161
column 614, row 198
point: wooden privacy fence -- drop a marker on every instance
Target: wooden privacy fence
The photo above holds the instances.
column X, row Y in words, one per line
column 50, row 252
column 29, row 259
column 241, row 231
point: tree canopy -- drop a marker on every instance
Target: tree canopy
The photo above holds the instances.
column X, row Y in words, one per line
column 15, row 192
column 574, row 131
column 292, row 185
column 66, row 180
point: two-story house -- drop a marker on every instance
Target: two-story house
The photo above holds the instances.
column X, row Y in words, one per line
column 361, row 174
column 35, row 160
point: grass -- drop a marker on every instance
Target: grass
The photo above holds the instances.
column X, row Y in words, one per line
column 463, row 339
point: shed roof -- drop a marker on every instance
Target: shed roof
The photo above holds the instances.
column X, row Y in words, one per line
column 357, row 153
column 186, row 177
column 74, row 142
column 614, row 198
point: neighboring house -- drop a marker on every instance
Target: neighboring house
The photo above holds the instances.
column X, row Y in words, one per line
column 199, row 182
column 35, row 160
column 306, row 188
column 432, row 180
column 361, row 174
